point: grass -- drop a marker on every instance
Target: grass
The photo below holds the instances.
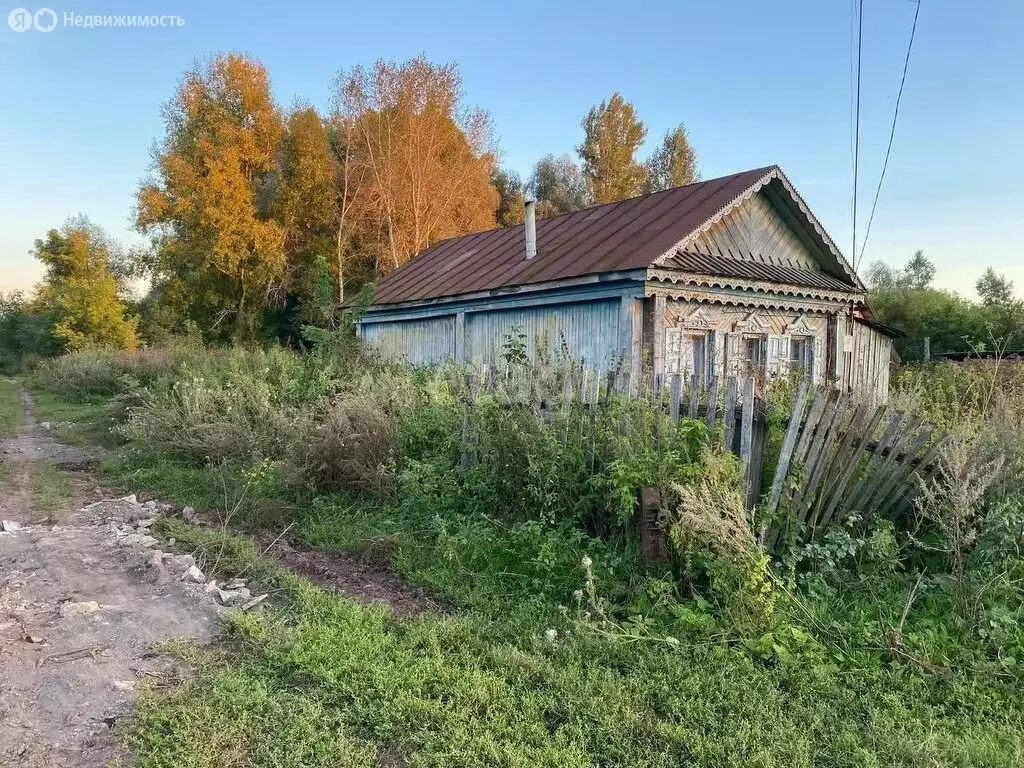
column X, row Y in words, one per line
column 327, row 682
column 508, row 679
column 11, row 414
column 51, row 489
column 485, row 686
column 80, row 422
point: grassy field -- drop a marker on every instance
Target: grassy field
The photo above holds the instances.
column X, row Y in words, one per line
column 557, row 646
column 326, row 682
column 11, row 415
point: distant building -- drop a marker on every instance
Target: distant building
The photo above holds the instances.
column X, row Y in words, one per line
column 728, row 276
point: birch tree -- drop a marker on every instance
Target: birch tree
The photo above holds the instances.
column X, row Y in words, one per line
column 420, row 161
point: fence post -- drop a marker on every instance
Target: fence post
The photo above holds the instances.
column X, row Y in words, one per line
column 788, row 444
column 747, row 431
column 709, row 417
column 729, row 415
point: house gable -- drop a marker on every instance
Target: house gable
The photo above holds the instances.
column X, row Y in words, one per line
column 756, row 231
column 768, row 224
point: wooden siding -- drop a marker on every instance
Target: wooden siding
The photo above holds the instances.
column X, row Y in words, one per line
column 867, row 358
column 417, row 342
column 596, row 331
column 756, row 231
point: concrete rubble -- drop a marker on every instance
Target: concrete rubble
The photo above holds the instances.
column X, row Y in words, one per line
column 130, row 524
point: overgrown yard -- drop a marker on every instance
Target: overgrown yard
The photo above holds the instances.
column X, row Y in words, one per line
column 867, row 646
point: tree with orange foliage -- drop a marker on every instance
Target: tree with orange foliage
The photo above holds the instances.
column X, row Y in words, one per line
column 419, row 163
column 208, row 206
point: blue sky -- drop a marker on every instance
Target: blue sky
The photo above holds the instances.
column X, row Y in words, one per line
column 756, row 83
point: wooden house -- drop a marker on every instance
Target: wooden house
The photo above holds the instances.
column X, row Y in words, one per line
column 733, row 275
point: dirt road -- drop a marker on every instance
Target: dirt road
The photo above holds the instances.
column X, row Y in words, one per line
column 84, row 598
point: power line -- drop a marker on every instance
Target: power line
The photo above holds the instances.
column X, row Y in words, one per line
column 892, row 130
column 856, row 131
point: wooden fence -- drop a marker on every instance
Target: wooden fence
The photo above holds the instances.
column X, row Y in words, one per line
column 837, row 454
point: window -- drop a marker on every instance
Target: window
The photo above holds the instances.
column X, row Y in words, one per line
column 696, row 345
column 686, row 352
column 673, row 347
column 801, row 354
column 753, row 352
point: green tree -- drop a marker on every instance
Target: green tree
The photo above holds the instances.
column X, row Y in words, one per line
column 611, row 136
column 882, row 277
column 919, row 272
column 673, row 163
column 951, row 322
column 558, row 186
column 510, row 197
column 24, row 332
column 916, row 275
column 80, row 293
column 218, row 250
column 994, row 289
column 308, row 212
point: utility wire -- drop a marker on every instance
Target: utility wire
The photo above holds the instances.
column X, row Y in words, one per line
column 892, row 131
column 856, row 130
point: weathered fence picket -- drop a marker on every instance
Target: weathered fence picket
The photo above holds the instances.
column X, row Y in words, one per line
column 829, row 461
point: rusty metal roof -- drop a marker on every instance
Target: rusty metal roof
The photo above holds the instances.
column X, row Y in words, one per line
column 626, row 235
column 720, row 266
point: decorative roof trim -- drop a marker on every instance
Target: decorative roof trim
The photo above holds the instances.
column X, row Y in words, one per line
column 773, row 173
column 753, row 322
column 765, row 287
column 800, row 327
column 744, row 301
column 698, row 321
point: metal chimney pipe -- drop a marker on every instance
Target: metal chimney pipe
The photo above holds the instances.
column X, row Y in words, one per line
column 531, row 228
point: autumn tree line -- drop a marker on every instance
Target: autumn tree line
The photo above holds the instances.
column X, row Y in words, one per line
column 262, row 220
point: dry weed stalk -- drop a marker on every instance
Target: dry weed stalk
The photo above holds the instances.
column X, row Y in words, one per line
column 714, row 514
column 952, row 502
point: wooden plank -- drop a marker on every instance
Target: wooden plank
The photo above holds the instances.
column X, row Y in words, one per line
column 747, row 430
column 694, row 397
column 675, row 394
column 729, row 415
column 567, row 392
column 883, row 497
column 891, row 430
column 466, row 457
column 922, row 466
column 856, row 442
column 584, row 395
column 756, row 453
column 653, row 538
column 902, row 438
column 906, row 503
column 845, row 442
column 788, row 445
column 829, row 410
column 810, row 425
column 712, row 409
column 595, row 405
column 820, row 460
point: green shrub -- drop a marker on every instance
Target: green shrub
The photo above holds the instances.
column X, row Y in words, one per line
column 106, row 372
column 346, row 444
